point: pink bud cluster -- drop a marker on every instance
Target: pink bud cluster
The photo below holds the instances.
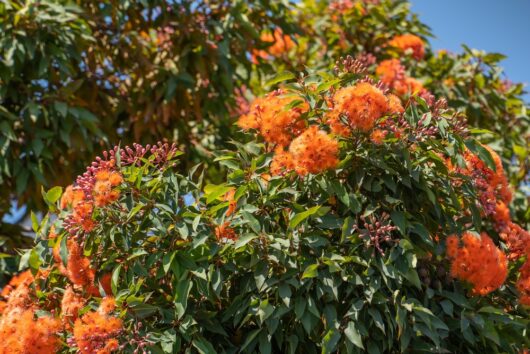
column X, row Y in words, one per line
column 376, row 231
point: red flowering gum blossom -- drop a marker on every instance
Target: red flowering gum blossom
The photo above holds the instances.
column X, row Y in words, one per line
column 97, row 331
column 361, row 104
column 314, row 151
column 478, row 261
column 409, row 43
column 275, row 122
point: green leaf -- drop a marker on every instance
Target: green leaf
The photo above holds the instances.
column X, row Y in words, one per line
column 298, row 218
column 398, row 218
column 327, row 84
column 310, row 272
column 347, row 228
column 212, row 191
column 34, row 259
column 243, row 240
column 61, row 107
column 353, row 335
column 284, row 290
column 250, row 337
column 252, row 221
column 203, row 346
column 265, row 311
column 54, row 194
column 330, row 341
column 24, row 260
column 182, row 293
column 63, row 250
column 168, row 260
column 412, row 276
column 283, row 76
column 34, row 222
column 115, row 278
column 299, row 307
column 135, row 211
column 447, row 307
column 142, row 310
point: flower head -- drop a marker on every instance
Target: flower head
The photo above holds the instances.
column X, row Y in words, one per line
column 279, row 44
column 409, row 43
column 478, row 262
column 22, row 333
column 390, row 71
column 97, row 331
column 71, row 197
column 70, row 305
column 314, row 151
column 78, row 269
column 378, row 136
column 232, row 203
column 361, row 104
column 275, row 121
column 282, row 162
column 224, row 232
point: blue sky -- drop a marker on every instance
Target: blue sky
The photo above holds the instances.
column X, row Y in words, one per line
column 501, row 26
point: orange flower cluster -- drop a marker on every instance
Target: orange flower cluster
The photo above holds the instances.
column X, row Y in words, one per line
column 78, row 269
column 95, row 332
column 478, row 262
column 517, row 239
column 22, row 278
column 390, row 71
column 70, row 306
column 392, row 74
column 17, row 293
column 280, row 44
column 495, row 195
column 282, row 162
column 378, row 136
column 274, row 122
column 76, row 199
column 362, row 105
column 409, row 43
column 82, row 215
column 224, row 232
column 309, row 150
column 492, row 185
column 394, row 104
column 232, row 203
column 499, row 179
column 20, row 332
column 523, row 283
column 95, row 191
column 314, row 151
column 103, row 192
column 71, row 197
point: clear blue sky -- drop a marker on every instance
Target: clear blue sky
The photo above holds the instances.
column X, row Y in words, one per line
column 501, row 26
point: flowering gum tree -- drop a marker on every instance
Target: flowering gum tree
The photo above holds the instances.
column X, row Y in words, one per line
column 353, row 220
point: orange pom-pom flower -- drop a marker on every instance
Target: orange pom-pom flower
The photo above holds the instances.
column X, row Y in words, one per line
column 314, row 151
column 409, row 43
column 478, row 262
column 362, row 105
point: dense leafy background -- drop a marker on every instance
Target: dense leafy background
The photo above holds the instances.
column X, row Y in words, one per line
column 74, row 77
